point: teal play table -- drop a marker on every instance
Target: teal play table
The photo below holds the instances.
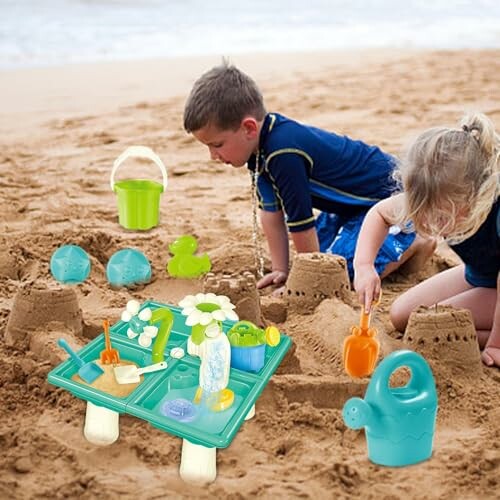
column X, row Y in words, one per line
column 203, row 434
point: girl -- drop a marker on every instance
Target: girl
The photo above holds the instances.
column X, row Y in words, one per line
column 450, row 182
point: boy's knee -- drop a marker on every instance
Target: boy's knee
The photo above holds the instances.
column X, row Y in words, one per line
column 399, row 315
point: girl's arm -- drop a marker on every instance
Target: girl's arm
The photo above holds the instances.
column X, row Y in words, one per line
column 275, row 230
column 371, row 237
column 491, row 353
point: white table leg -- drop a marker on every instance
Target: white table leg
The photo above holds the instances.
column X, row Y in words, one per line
column 198, row 463
column 101, row 425
column 251, row 413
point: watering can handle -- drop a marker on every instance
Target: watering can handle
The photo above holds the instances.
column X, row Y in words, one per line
column 139, row 152
column 421, row 374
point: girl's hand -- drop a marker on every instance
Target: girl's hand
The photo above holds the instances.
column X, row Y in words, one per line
column 273, row 278
column 491, row 356
column 367, row 285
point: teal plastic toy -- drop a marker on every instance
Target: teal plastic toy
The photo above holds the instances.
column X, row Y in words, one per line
column 248, row 345
column 184, row 264
column 70, row 264
column 399, row 421
column 128, row 267
column 163, row 397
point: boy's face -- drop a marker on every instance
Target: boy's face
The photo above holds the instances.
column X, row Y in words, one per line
column 233, row 147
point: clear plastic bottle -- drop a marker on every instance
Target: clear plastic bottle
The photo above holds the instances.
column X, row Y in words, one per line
column 215, row 360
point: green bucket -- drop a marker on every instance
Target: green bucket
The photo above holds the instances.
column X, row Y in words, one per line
column 138, row 199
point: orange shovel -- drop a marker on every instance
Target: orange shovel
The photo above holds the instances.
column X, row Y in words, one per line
column 109, row 355
column 361, row 347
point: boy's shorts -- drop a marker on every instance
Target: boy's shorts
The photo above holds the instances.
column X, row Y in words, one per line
column 338, row 235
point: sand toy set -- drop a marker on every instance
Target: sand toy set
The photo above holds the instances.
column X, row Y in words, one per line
column 197, row 371
column 200, row 398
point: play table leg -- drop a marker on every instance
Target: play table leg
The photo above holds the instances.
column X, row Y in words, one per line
column 251, row 413
column 198, row 463
column 101, row 425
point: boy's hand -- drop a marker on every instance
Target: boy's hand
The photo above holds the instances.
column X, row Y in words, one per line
column 273, row 278
column 491, row 356
column 367, row 285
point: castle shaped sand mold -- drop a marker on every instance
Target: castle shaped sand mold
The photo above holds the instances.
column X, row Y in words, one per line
column 446, row 337
column 241, row 290
column 315, row 277
column 37, row 305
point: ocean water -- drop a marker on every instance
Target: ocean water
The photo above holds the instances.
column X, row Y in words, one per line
column 53, row 32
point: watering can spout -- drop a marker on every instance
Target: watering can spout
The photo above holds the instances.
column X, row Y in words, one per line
column 357, row 413
column 166, row 319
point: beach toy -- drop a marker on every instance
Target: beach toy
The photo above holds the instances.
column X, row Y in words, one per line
column 128, row 267
column 88, row 372
column 215, row 356
column 70, row 264
column 361, row 348
column 179, row 409
column 108, row 355
column 131, row 374
column 184, row 264
column 138, row 199
column 248, row 345
column 177, row 353
column 399, row 421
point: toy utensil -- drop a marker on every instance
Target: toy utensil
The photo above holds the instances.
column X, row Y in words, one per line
column 108, row 355
column 88, row 372
column 361, row 348
column 130, row 374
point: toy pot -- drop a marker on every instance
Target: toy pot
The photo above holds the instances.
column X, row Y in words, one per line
column 248, row 358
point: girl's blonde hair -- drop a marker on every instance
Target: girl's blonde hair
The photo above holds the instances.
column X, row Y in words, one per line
column 451, row 179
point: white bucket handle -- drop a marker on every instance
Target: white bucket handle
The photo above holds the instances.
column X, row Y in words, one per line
column 139, row 152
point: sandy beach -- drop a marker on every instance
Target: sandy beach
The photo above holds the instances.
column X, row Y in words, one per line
column 61, row 128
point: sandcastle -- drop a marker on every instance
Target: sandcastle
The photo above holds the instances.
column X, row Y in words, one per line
column 36, row 306
column 446, row 337
column 315, row 277
column 241, row 290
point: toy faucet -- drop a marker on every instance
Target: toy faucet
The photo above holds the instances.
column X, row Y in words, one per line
column 361, row 348
column 399, row 421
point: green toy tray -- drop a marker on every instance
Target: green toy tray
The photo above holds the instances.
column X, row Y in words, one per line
column 179, row 380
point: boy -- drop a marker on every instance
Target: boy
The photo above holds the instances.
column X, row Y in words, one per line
column 298, row 168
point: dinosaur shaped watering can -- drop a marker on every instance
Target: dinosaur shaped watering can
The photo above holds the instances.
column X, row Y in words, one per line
column 399, row 421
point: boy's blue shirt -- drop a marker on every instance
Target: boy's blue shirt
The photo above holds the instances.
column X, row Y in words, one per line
column 303, row 167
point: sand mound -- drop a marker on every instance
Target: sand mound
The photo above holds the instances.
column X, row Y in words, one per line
column 35, row 306
column 447, row 339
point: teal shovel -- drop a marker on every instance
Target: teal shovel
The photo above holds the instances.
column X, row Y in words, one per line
column 88, row 372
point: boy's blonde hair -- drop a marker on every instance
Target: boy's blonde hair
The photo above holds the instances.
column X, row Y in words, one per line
column 451, row 179
column 222, row 97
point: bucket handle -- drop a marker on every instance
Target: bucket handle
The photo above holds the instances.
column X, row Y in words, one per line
column 139, row 152
column 421, row 376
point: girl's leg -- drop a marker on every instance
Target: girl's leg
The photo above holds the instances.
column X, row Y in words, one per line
column 434, row 290
column 481, row 302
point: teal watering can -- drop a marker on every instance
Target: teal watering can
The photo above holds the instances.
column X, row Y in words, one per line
column 399, row 421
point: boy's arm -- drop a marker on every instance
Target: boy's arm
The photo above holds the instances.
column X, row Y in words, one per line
column 275, row 230
column 371, row 237
column 306, row 241
column 491, row 353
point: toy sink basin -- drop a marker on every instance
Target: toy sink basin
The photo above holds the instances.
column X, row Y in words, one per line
column 179, row 380
column 399, row 422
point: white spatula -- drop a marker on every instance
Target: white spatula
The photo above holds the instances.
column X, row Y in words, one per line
column 130, row 374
